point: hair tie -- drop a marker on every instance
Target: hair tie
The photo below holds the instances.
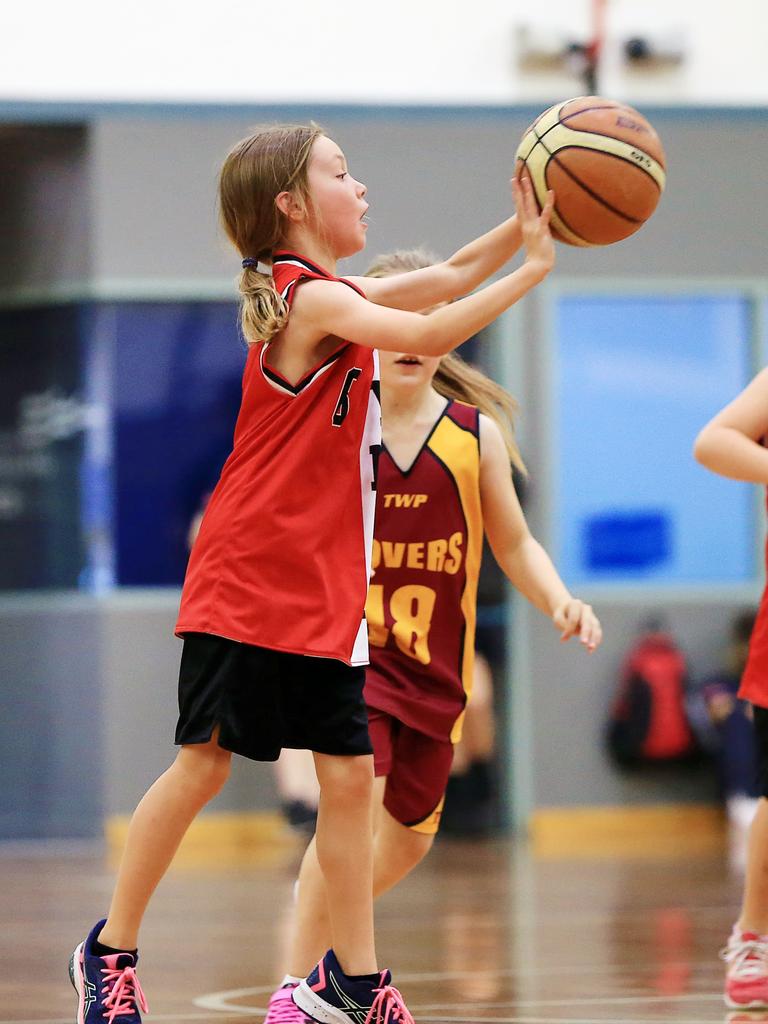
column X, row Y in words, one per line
column 250, row 261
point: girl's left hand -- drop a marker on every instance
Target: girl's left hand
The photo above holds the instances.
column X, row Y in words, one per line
column 574, row 617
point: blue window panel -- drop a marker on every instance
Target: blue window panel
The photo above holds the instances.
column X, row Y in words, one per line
column 627, row 540
column 178, row 373
column 636, row 379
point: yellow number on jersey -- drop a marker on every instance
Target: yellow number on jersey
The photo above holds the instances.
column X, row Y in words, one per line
column 411, row 608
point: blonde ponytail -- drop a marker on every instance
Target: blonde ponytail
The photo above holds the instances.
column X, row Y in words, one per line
column 273, row 159
column 454, row 378
column 263, row 311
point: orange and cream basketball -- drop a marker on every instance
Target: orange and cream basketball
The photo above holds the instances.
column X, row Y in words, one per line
column 605, row 163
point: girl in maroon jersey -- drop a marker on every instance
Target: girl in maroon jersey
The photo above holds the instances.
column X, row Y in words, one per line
column 733, row 445
column 273, row 600
column 444, row 481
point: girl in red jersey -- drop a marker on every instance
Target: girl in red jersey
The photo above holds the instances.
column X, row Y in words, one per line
column 444, row 480
column 733, row 445
column 273, row 600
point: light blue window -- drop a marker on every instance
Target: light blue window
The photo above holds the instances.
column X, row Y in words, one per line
column 636, row 378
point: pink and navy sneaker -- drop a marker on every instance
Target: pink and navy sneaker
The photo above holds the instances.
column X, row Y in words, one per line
column 329, row 996
column 282, row 1009
column 746, row 980
column 107, row 987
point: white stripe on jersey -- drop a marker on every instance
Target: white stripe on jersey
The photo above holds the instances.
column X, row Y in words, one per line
column 369, row 447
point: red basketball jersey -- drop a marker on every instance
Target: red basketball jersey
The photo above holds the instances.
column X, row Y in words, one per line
column 423, row 592
column 754, row 681
column 282, row 559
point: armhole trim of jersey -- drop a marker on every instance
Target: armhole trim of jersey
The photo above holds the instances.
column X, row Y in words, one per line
column 281, row 384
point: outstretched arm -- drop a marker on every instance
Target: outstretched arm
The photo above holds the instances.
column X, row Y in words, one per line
column 331, row 308
column 730, row 443
column 447, row 280
column 523, row 560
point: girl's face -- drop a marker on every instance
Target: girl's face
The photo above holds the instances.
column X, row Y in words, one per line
column 400, row 370
column 338, row 203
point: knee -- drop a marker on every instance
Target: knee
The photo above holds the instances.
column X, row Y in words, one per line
column 416, row 849
column 206, row 768
column 397, row 856
column 348, row 781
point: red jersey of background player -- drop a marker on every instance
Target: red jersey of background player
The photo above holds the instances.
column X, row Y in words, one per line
column 754, row 681
column 282, row 558
column 426, row 561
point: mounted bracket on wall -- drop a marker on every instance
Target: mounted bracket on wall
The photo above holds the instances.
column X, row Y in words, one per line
column 647, row 51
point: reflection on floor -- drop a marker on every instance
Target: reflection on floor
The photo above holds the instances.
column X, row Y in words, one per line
column 481, row 933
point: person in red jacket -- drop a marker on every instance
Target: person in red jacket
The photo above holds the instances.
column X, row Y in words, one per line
column 272, row 609
column 733, row 445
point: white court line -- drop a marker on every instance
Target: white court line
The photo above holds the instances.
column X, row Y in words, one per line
column 220, row 1001
column 427, row 1020
column 530, row 1004
column 569, row 1020
column 155, row 1016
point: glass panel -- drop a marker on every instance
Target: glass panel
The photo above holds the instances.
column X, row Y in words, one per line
column 43, row 423
column 636, row 379
column 178, row 372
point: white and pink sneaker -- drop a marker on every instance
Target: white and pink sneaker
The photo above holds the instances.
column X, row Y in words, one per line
column 746, row 979
column 282, row 1009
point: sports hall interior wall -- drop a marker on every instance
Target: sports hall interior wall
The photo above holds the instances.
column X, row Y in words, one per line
column 120, row 208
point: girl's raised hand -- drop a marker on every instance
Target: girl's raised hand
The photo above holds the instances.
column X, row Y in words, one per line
column 534, row 226
column 573, row 618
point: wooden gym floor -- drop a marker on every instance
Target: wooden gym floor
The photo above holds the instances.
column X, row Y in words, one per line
column 481, row 933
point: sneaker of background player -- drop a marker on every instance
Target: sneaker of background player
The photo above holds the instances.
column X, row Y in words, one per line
column 301, row 816
column 746, row 980
column 107, row 987
column 282, row 1009
column 328, row 995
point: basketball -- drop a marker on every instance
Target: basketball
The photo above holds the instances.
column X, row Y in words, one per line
column 605, row 163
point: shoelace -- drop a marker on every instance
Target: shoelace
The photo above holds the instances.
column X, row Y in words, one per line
column 283, row 1010
column 388, row 1006
column 124, row 993
column 748, row 958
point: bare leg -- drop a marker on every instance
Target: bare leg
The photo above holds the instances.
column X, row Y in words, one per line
column 311, row 929
column 156, row 830
column 296, row 778
column 397, row 850
column 754, row 912
column 479, row 733
column 478, row 736
column 344, row 845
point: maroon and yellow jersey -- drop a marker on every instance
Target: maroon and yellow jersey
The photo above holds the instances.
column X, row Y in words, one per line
column 282, row 559
column 426, row 560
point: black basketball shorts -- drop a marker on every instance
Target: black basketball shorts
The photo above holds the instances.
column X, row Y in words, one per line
column 760, row 722
column 263, row 700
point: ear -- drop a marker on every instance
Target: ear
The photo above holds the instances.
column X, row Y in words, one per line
column 289, row 207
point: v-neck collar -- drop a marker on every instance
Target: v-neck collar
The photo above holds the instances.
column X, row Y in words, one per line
column 423, row 445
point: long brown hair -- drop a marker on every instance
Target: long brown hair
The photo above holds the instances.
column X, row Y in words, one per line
column 273, row 159
column 455, row 378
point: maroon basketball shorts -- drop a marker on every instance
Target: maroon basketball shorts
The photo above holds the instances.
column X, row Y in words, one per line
column 417, row 768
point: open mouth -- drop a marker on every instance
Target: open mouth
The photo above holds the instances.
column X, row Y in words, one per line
column 408, row 361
